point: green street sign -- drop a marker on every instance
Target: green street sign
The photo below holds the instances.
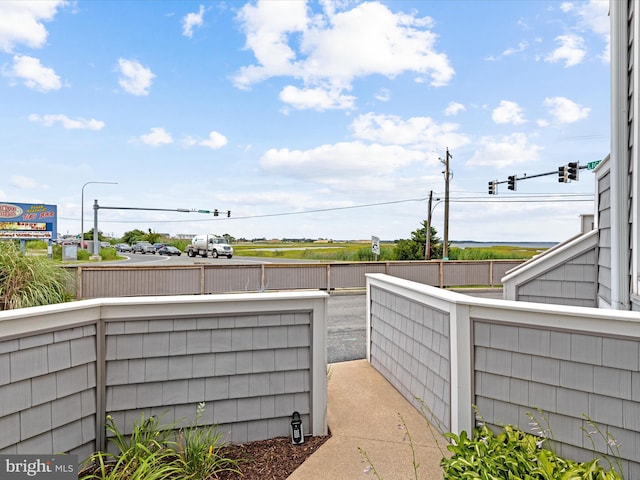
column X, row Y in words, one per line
column 592, row 165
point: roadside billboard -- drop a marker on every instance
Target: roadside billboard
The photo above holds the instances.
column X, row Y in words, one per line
column 28, row 221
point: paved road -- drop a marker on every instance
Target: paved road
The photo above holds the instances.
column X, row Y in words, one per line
column 346, row 333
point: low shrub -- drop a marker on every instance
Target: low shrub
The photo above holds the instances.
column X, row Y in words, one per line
column 28, row 280
column 513, row 454
column 160, row 452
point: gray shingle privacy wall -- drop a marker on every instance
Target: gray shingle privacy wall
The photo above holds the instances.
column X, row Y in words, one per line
column 569, row 283
column 48, row 392
column 567, row 375
column 410, row 347
column 509, row 358
column 253, row 359
column 251, row 370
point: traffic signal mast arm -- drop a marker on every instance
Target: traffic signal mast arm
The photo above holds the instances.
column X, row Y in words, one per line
column 186, row 210
column 571, row 170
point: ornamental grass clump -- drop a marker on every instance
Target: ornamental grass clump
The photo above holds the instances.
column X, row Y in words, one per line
column 201, row 449
column 160, row 452
column 30, row 280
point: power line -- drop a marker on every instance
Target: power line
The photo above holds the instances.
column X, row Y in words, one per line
column 532, row 198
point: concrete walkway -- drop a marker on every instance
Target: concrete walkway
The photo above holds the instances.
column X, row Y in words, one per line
column 365, row 415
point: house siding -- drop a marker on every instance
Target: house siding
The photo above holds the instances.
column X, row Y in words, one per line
column 570, row 283
column 604, row 245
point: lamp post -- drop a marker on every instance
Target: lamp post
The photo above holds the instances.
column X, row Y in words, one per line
column 427, row 249
column 82, row 211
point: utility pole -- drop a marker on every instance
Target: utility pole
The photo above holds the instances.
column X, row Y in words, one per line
column 427, row 249
column 445, row 245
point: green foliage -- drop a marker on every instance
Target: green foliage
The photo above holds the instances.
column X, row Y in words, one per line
column 513, row 454
column 493, row 253
column 201, row 449
column 154, row 451
column 88, row 236
column 28, row 280
column 108, row 254
column 152, row 237
column 35, row 245
column 133, row 236
column 415, row 248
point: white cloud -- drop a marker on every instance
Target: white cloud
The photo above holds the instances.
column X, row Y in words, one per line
column 134, row 78
column 422, row 132
column 216, row 140
column 21, row 22
column 288, row 41
column 571, row 50
column 156, row 137
column 504, row 151
column 508, row 112
column 316, row 98
column 454, row 108
column 383, row 95
column 344, row 158
column 594, row 16
column 192, row 20
column 67, row 123
column 20, row 181
column 33, row 74
column 522, row 46
column 564, row 110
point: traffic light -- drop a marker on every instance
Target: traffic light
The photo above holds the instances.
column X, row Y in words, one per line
column 228, row 213
column 492, row 188
column 215, row 212
column 511, row 182
column 573, row 170
column 563, row 174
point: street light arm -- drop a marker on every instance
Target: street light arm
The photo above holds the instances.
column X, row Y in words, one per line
column 82, row 210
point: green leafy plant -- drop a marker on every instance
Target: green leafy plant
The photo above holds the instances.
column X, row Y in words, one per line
column 145, row 464
column 147, row 433
column 156, row 451
column 515, row 454
column 30, row 280
column 201, row 449
column 511, row 454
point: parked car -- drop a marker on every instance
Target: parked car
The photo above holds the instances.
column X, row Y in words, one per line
column 142, row 246
column 123, row 247
column 168, row 250
column 105, row 245
column 156, row 246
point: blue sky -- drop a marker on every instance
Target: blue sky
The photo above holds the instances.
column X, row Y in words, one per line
column 324, row 119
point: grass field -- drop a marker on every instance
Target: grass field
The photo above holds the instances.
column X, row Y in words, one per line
column 328, row 252
column 361, row 251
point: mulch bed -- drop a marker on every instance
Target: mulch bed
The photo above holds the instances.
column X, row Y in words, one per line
column 273, row 459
